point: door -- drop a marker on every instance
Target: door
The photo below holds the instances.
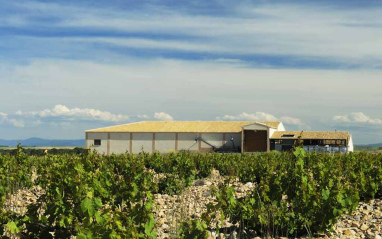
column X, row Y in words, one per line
column 255, row 141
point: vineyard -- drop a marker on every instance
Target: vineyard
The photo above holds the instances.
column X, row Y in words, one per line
column 96, row 196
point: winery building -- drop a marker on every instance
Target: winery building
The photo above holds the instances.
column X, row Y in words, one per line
column 208, row 136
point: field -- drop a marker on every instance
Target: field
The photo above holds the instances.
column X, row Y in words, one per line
column 183, row 195
column 366, row 148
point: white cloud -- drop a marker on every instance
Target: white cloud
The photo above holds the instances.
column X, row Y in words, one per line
column 59, row 115
column 258, row 116
column 262, row 116
column 4, row 120
column 63, row 112
column 357, row 118
column 291, row 121
column 17, row 123
column 268, row 28
column 200, row 90
column 142, row 116
column 163, row 116
column 364, row 128
column 154, row 44
column 202, row 87
column 219, row 84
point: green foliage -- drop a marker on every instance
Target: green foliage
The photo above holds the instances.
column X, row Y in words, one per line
column 296, row 193
column 171, row 185
column 93, row 196
column 183, row 165
column 90, row 196
column 15, row 173
column 41, row 151
column 193, row 229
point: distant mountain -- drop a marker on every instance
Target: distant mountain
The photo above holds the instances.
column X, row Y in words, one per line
column 38, row 142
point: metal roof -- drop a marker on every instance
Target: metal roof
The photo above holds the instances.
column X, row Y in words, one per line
column 310, row 135
column 183, row 126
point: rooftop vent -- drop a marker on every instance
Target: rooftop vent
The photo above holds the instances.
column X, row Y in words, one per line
column 287, row 135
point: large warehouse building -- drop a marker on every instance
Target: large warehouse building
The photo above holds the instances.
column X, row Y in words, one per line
column 208, row 136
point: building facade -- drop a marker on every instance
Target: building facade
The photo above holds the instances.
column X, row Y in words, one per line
column 197, row 136
column 313, row 141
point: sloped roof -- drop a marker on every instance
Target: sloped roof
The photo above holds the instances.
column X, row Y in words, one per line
column 271, row 124
column 183, row 126
column 311, row 135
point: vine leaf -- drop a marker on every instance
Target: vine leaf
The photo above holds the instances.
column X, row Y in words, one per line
column 87, row 206
column 13, row 227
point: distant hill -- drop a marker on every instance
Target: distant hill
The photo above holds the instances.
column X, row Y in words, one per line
column 376, row 145
column 367, row 147
column 38, row 142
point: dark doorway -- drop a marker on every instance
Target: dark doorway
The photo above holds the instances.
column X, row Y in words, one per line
column 255, row 141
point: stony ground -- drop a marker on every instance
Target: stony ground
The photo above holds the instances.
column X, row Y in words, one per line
column 365, row 222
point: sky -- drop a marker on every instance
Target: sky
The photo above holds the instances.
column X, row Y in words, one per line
column 67, row 66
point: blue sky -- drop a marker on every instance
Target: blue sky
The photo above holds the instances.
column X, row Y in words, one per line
column 67, row 66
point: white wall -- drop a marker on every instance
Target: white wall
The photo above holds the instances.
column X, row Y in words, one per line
column 271, row 131
column 216, row 139
column 281, row 127
column 119, row 143
column 164, row 142
column 186, row 141
column 102, row 149
column 350, row 145
column 144, row 140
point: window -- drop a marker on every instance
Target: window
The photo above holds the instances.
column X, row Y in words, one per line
column 97, row 142
column 287, row 142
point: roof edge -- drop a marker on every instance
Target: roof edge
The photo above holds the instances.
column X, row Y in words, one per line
column 90, row 130
column 258, row 123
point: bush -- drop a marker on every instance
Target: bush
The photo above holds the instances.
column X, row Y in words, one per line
column 171, row 185
column 90, row 195
column 297, row 193
column 193, row 229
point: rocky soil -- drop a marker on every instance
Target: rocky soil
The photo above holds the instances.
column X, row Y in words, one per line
column 365, row 222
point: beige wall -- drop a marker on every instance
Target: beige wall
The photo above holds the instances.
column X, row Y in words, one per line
column 119, row 143
column 144, row 140
column 236, row 140
column 186, row 140
column 216, row 139
column 102, row 149
column 164, row 142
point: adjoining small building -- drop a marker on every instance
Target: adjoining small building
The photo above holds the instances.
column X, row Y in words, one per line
column 313, row 141
column 203, row 136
